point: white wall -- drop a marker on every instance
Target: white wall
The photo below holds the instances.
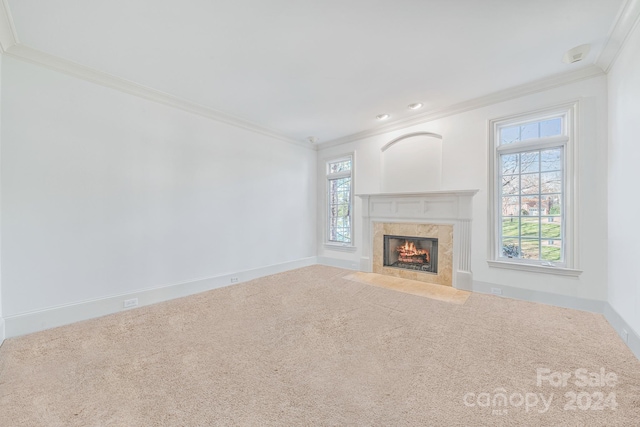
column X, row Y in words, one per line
column 464, row 166
column 105, row 193
column 413, row 164
column 2, row 335
column 624, row 174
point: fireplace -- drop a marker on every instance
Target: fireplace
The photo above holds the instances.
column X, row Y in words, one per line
column 442, row 216
column 411, row 253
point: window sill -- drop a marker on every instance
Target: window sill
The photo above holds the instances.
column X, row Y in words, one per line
column 559, row 271
column 340, row 247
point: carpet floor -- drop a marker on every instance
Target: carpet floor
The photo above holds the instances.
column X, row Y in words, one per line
column 308, row 347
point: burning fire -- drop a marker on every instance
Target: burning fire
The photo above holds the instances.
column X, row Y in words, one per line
column 409, row 253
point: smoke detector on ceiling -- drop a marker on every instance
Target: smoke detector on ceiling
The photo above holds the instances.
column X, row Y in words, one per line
column 576, row 54
column 312, row 139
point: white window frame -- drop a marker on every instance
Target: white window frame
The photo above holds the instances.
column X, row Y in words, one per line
column 569, row 141
column 343, row 246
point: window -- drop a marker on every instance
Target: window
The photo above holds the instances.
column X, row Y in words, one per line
column 532, row 191
column 339, row 200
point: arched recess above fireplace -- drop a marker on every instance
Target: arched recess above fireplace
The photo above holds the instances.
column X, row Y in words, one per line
column 407, row 136
column 411, row 163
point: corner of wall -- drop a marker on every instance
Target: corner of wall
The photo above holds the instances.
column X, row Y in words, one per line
column 622, row 328
column 347, row 264
column 622, row 174
column 2, row 334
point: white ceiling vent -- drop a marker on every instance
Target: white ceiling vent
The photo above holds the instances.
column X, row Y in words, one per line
column 576, row 54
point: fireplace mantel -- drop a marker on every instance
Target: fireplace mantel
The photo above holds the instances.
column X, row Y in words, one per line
column 429, row 205
column 453, row 207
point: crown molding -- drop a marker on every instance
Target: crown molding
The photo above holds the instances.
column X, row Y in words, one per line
column 34, row 56
column 8, row 35
column 541, row 85
column 626, row 21
column 10, row 46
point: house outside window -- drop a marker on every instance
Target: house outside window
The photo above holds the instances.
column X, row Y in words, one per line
column 339, row 172
column 532, row 191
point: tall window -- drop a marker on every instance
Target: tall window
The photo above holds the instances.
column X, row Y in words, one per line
column 532, row 184
column 339, row 193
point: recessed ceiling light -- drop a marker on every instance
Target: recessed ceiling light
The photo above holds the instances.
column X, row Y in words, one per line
column 416, row 106
column 382, row 116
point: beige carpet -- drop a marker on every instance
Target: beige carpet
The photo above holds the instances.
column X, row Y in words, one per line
column 309, row 347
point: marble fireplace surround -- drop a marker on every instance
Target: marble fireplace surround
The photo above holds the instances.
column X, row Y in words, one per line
column 445, row 215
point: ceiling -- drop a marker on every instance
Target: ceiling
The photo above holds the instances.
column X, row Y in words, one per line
column 319, row 68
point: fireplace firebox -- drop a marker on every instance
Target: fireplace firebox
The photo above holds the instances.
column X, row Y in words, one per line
column 411, row 253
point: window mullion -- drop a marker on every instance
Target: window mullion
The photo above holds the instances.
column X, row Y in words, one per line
column 336, row 175
column 519, row 206
column 533, row 144
column 540, row 205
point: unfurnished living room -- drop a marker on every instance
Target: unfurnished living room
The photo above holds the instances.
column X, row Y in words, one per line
column 331, row 213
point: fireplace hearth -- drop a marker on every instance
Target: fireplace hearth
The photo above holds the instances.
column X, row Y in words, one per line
column 411, row 253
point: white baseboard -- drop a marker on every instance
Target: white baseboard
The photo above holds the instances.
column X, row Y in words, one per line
column 347, row 264
column 602, row 307
column 565, row 301
column 52, row 317
column 619, row 324
column 2, row 335
column 26, row 323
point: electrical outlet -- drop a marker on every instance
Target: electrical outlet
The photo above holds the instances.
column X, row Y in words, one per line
column 234, row 280
column 128, row 303
column 496, row 291
column 625, row 335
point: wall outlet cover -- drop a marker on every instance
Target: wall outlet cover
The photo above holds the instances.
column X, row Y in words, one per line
column 128, row 303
